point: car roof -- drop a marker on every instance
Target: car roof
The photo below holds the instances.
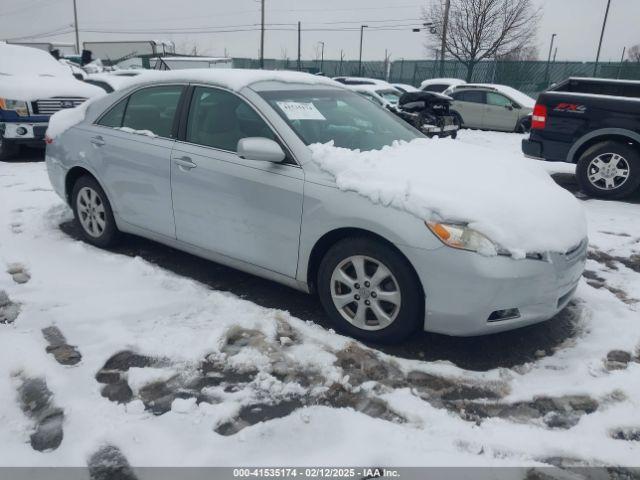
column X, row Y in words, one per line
column 373, row 88
column 232, row 78
column 362, row 80
column 445, row 81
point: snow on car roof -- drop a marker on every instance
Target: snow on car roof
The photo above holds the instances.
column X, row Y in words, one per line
column 603, row 80
column 118, row 82
column 406, row 86
column 448, row 81
column 375, row 81
column 374, row 88
column 238, row 78
column 520, row 97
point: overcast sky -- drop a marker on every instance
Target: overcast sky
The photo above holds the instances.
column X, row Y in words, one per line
column 577, row 23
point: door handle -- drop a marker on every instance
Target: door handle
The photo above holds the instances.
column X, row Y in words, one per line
column 98, row 141
column 185, row 163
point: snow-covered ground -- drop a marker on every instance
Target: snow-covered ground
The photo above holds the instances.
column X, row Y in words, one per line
column 202, row 369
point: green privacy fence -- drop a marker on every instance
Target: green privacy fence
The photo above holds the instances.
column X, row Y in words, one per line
column 530, row 77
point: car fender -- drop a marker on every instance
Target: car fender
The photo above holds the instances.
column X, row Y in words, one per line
column 602, row 132
column 328, row 209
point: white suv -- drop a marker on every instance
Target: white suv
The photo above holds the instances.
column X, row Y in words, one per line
column 491, row 107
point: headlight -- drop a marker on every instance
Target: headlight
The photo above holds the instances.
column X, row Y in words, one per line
column 18, row 106
column 462, row 237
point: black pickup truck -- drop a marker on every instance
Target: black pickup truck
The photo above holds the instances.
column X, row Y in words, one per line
column 595, row 123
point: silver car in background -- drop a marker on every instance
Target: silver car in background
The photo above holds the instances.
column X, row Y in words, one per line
column 221, row 171
column 492, row 107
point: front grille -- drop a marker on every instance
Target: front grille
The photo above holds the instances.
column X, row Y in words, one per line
column 49, row 106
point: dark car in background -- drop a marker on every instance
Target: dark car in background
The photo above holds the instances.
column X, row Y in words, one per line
column 595, row 123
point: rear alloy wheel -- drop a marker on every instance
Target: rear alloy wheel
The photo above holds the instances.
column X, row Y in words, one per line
column 609, row 170
column 92, row 213
column 370, row 291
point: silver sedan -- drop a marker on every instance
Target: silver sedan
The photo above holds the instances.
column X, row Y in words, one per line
column 224, row 172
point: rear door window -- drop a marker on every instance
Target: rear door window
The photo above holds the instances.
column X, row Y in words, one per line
column 470, row 96
column 153, row 109
column 113, row 118
column 498, row 100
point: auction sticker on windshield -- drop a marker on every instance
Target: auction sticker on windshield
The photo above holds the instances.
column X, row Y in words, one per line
column 300, row 111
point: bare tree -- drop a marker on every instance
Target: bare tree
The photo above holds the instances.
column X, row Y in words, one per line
column 481, row 29
column 634, row 53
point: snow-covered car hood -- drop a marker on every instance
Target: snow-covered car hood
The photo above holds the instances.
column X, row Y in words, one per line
column 518, row 206
column 29, row 88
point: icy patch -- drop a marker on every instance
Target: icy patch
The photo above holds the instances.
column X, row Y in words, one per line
column 516, row 205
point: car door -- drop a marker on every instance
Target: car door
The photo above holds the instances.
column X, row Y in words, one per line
column 244, row 209
column 132, row 146
column 470, row 104
column 500, row 113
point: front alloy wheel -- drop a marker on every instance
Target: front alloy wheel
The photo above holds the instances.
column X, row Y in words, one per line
column 370, row 290
column 365, row 292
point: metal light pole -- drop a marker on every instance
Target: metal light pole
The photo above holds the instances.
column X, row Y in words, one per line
column 546, row 73
column 321, row 56
column 445, row 22
column 299, row 37
column 262, row 37
column 604, row 24
column 624, row 50
column 75, row 23
column 362, row 27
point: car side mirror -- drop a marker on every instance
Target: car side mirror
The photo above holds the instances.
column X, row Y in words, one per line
column 260, row 149
column 509, row 107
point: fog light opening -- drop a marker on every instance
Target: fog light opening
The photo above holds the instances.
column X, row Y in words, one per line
column 506, row 314
column 21, row 131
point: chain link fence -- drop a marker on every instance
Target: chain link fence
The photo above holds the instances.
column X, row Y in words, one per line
column 530, row 77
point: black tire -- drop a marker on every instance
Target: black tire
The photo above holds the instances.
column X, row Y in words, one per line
column 454, row 135
column 458, row 119
column 410, row 314
column 109, row 234
column 585, row 170
column 524, row 126
column 8, row 150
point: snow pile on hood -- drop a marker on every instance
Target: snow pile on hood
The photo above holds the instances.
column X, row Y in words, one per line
column 64, row 119
column 516, row 205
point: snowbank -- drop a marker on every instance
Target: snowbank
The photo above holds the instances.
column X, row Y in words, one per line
column 517, row 205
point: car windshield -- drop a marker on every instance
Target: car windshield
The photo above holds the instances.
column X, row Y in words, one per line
column 350, row 120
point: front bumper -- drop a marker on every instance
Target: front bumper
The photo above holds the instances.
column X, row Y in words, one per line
column 23, row 132
column 463, row 289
